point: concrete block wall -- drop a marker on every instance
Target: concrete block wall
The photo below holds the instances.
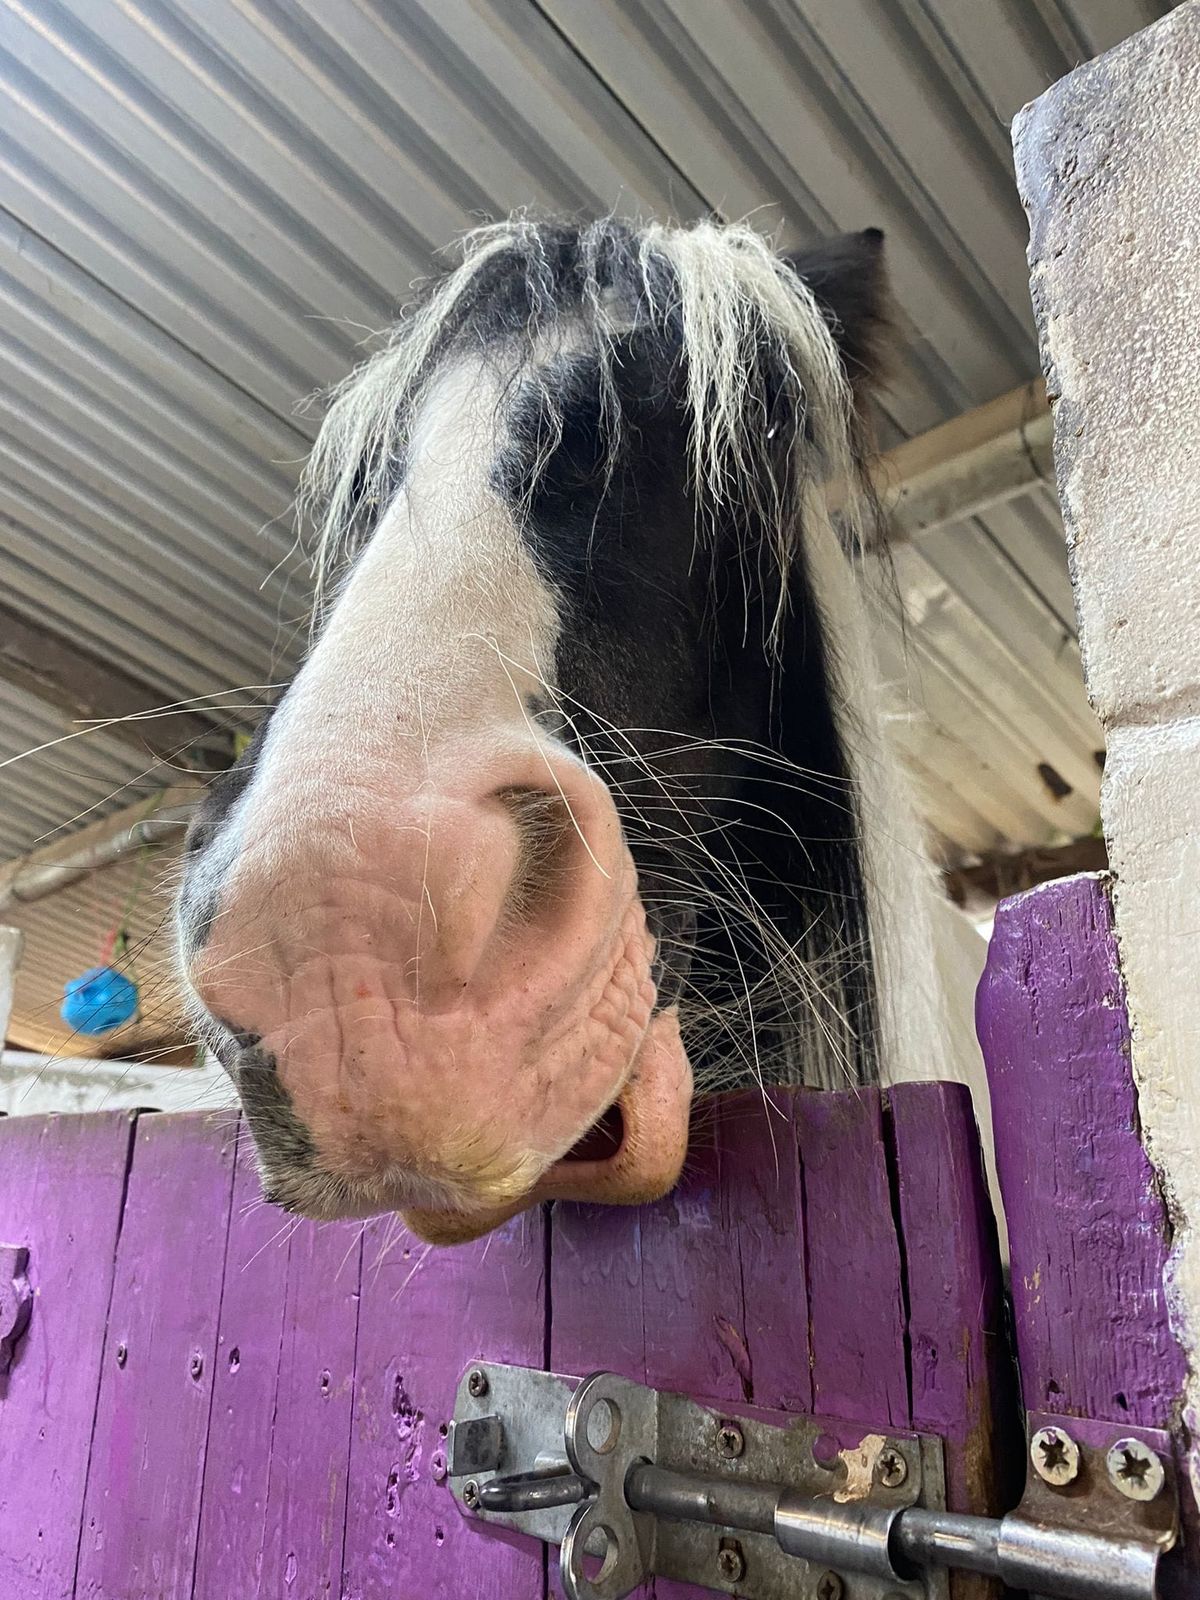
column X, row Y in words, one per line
column 1108, row 163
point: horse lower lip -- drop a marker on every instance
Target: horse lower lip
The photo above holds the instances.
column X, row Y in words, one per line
column 603, row 1139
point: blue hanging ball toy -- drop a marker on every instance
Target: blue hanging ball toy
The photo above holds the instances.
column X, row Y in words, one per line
column 99, row 1001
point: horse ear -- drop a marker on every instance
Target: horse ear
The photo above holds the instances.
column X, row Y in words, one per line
column 849, row 280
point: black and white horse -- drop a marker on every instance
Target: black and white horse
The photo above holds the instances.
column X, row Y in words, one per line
column 581, row 796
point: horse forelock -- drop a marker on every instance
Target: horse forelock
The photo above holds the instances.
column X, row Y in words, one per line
column 769, row 408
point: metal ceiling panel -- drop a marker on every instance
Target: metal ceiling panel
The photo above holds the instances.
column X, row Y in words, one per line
column 207, row 205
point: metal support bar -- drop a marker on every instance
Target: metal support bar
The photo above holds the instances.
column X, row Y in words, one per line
column 969, row 465
column 46, row 871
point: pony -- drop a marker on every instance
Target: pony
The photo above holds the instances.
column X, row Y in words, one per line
column 581, row 803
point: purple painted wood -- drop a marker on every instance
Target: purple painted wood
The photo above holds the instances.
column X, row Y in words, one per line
column 692, row 1303
column 310, row 1446
column 654, row 1292
column 275, row 1483
column 1087, row 1228
column 233, row 1526
column 763, row 1191
column 962, row 1383
column 855, row 1295
column 61, row 1183
column 424, row 1315
column 142, row 1507
column 316, row 1467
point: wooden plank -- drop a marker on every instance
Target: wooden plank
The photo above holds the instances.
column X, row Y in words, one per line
column 275, row 1485
column 962, row 1384
column 66, row 675
column 233, row 1525
column 856, row 1302
column 424, row 1315
column 655, row 1292
column 142, row 1507
column 61, row 1185
column 310, row 1443
column 1089, row 1234
column 763, row 1192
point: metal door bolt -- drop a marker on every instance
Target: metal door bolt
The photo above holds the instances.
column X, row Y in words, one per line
column 1055, row 1456
column 1134, row 1470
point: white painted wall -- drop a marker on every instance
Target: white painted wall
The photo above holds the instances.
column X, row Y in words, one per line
column 32, row 1084
column 10, row 955
column 1109, row 164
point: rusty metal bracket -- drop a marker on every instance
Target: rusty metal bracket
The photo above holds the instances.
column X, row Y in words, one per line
column 1093, row 1480
column 16, row 1301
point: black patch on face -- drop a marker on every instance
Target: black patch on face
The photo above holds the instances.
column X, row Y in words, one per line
column 224, row 790
column 283, row 1143
column 668, row 686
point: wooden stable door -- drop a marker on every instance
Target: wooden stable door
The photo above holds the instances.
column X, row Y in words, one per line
column 207, row 1400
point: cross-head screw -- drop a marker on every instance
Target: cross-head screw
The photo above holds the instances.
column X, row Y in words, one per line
column 731, row 1441
column 477, row 1383
column 1134, row 1470
column 891, row 1469
column 1055, row 1456
column 731, row 1563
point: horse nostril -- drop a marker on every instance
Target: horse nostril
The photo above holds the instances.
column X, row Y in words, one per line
column 603, row 1139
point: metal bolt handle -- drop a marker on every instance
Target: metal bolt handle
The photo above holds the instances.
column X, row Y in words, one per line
column 534, row 1491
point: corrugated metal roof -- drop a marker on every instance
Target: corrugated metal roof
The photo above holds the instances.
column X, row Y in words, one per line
column 206, row 204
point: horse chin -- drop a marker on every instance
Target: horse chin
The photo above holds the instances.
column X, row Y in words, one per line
column 651, row 1146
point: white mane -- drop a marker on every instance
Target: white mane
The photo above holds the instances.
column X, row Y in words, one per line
column 729, row 289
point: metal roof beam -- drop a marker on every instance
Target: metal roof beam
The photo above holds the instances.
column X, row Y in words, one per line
column 56, row 866
column 969, row 465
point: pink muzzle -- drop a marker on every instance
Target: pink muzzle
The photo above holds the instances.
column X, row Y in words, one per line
column 454, row 980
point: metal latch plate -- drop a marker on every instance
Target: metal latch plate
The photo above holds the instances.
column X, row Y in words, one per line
column 816, row 1458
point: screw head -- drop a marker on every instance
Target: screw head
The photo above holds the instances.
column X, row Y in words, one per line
column 1055, row 1456
column 196, row 1366
column 471, row 1494
column 829, row 1587
column 1134, row 1470
column 477, row 1383
column 731, row 1441
column 731, row 1563
column 891, row 1469
column 122, row 1354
